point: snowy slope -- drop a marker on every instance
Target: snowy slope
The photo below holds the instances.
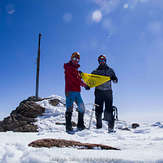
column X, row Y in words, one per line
column 144, row 144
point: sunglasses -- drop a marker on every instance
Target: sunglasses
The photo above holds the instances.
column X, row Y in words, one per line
column 101, row 60
column 75, row 59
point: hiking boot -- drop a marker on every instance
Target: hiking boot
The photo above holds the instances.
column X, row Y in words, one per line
column 68, row 116
column 110, row 127
column 110, row 130
column 70, row 131
column 81, row 128
column 80, row 124
column 98, row 126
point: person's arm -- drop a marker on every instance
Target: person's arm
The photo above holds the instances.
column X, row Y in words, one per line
column 95, row 72
column 75, row 77
column 114, row 77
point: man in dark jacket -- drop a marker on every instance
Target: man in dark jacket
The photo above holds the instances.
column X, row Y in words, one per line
column 72, row 91
column 103, row 94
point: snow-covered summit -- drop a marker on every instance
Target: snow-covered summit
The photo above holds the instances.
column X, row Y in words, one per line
column 143, row 144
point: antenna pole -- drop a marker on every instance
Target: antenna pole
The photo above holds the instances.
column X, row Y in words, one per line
column 38, row 67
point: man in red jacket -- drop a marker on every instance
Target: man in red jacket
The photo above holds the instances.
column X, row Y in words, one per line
column 73, row 82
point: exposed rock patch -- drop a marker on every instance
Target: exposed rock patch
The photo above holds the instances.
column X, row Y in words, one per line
column 68, row 143
column 23, row 117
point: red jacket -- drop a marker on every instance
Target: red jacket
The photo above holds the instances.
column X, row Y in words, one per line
column 72, row 77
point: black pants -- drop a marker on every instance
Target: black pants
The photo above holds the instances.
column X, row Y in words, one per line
column 106, row 97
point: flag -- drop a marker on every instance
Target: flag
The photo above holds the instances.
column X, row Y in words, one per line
column 93, row 80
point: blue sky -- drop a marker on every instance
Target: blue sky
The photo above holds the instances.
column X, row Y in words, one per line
column 128, row 32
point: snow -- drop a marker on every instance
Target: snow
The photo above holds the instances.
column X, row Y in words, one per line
column 143, row 144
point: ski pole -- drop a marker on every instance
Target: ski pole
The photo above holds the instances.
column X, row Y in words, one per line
column 115, row 114
column 93, row 109
column 115, row 110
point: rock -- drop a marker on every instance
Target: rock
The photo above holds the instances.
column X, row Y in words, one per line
column 23, row 117
column 32, row 98
column 29, row 109
column 134, row 125
column 20, row 117
column 1, row 128
column 125, row 129
column 54, row 102
column 68, row 143
column 26, row 128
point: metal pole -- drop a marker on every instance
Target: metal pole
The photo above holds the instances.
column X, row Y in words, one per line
column 38, row 67
column 93, row 109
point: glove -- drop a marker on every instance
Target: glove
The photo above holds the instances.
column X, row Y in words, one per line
column 115, row 81
column 87, row 87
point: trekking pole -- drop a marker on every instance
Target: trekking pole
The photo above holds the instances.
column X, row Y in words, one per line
column 115, row 114
column 93, row 109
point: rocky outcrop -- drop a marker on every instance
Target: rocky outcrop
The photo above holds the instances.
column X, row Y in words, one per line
column 135, row 125
column 68, row 143
column 23, row 117
column 1, row 128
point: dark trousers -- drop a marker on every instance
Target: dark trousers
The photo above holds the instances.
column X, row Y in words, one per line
column 101, row 98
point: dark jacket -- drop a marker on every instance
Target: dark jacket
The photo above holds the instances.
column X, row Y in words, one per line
column 72, row 77
column 106, row 71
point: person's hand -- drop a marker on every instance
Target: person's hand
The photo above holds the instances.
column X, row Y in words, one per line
column 115, row 81
column 87, row 87
column 80, row 72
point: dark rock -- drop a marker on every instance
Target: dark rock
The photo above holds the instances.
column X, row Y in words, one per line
column 26, row 128
column 10, row 125
column 125, row 129
column 32, row 98
column 29, row 109
column 68, row 143
column 1, row 128
column 21, row 119
column 54, row 102
column 134, row 125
